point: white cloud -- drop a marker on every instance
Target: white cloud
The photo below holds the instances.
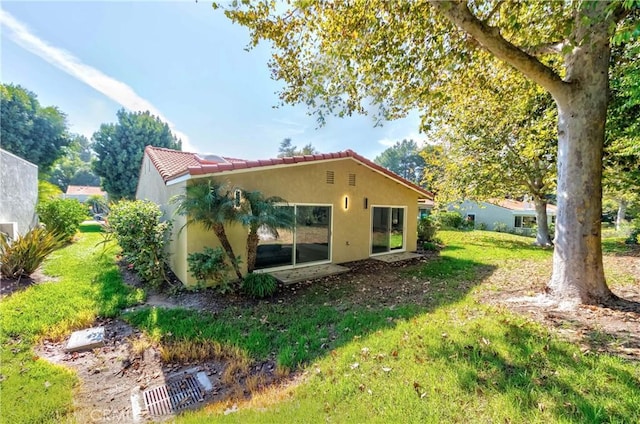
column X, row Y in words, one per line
column 116, row 90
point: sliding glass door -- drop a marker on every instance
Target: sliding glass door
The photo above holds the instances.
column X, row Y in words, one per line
column 387, row 229
column 309, row 242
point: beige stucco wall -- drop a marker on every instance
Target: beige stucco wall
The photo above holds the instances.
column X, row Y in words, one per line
column 306, row 184
column 298, row 184
column 151, row 187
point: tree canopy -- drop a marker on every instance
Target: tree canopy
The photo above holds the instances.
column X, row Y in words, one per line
column 622, row 149
column 29, row 130
column 403, row 158
column 287, row 149
column 119, row 148
column 390, row 57
column 496, row 149
column 75, row 166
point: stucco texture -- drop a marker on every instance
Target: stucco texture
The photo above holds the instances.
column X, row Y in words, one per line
column 300, row 184
column 18, row 191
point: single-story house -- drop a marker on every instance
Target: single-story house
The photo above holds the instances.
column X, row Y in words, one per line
column 18, row 194
column 347, row 208
column 82, row 193
column 518, row 216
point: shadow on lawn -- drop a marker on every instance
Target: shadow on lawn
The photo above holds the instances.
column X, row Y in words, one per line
column 534, row 373
column 308, row 320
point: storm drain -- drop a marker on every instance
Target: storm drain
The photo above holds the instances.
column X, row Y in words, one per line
column 173, row 396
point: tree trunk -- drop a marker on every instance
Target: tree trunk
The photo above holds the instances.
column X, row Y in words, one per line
column 542, row 235
column 578, row 274
column 218, row 229
column 622, row 211
column 252, row 250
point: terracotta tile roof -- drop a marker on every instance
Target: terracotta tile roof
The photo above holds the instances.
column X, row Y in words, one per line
column 172, row 164
column 516, row 205
column 85, row 190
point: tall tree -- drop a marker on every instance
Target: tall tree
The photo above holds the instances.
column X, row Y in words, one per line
column 75, row 167
column 434, row 162
column 35, row 133
column 260, row 213
column 403, row 158
column 287, row 149
column 622, row 147
column 119, row 148
column 210, row 204
column 497, row 149
column 340, row 57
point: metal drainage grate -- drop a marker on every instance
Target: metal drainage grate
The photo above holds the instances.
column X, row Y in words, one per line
column 173, row 396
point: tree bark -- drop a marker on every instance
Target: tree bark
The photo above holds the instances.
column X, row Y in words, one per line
column 218, row 229
column 581, row 97
column 578, row 273
column 542, row 235
column 622, row 211
column 252, row 250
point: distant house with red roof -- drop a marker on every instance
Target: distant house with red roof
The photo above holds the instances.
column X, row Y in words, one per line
column 518, row 216
column 347, row 207
column 82, row 193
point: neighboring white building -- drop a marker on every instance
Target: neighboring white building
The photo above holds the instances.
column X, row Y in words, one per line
column 518, row 216
column 18, row 194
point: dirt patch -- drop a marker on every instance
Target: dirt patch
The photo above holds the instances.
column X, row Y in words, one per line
column 114, row 377
column 612, row 328
column 9, row 286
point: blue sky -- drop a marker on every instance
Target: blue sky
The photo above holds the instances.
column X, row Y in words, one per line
column 183, row 61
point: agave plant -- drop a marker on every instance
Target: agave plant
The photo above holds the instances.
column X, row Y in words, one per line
column 22, row 256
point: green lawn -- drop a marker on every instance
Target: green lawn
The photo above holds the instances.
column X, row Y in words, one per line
column 87, row 285
column 440, row 357
column 450, row 359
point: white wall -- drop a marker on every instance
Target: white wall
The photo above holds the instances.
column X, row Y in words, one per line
column 486, row 213
column 18, row 191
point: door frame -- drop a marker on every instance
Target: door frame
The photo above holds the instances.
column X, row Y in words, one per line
column 404, row 229
column 295, row 241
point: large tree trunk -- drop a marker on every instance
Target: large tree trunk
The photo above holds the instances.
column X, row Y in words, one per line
column 218, row 229
column 578, row 274
column 252, row 250
column 622, row 211
column 542, row 235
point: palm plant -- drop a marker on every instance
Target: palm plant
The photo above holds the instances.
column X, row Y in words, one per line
column 263, row 213
column 211, row 204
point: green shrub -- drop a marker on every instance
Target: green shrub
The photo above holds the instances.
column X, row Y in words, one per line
column 62, row 216
column 427, row 228
column 481, row 226
column 142, row 237
column 209, row 266
column 24, row 255
column 429, row 246
column 450, row 220
column 634, row 235
column 500, row 227
column 259, row 285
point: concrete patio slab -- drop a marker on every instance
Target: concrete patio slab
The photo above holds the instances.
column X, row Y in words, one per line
column 290, row 276
column 397, row 257
column 87, row 339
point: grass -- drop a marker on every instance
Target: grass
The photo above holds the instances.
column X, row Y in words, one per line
column 438, row 356
column 86, row 285
column 448, row 359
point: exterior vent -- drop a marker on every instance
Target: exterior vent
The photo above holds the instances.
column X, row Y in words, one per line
column 352, row 179
column 330, row 177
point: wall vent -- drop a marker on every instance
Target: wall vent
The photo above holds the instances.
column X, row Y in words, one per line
column 330, row 177
column 352, row 179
